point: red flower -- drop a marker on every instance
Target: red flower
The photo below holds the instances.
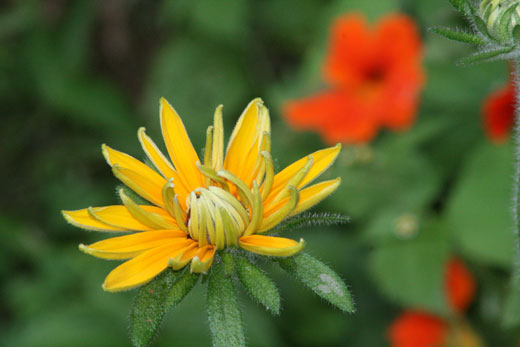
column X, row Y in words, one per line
column 417, row 329
column 375, row 77
column 499, row 110
column 460, row 285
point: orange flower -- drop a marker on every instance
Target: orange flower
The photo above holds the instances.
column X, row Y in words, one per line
column 417, row 329
column 459, row 285
column 375, row 78
column 499, row 110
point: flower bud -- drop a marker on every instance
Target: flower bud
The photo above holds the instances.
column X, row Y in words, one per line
column 501, row 18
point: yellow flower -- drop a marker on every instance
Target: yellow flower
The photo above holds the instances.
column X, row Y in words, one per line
column 229, row 199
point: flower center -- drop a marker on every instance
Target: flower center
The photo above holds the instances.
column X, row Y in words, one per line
column 216, row 217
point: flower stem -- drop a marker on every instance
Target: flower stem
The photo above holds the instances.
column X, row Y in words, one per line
column 516, row 177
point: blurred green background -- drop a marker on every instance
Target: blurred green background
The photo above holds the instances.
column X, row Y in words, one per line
column 76, row 74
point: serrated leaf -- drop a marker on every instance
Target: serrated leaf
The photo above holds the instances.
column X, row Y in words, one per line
column 459, row 36
column 149, row 309
column 181, row 288
column 224, row 317
column 309, row 219
column 320, row 278
column 485, row 56
column 260, row 287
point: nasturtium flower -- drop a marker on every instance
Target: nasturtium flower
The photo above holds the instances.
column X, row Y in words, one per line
column 374, row 78
column 198, row 206
column 459, row 285
column 418, row 329
column 499, row 112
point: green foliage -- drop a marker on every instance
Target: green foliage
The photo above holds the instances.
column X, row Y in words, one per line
column 182, row 287
column 459, row 36
column 412, row 272
column 149, row 308
column 224, row 316
column 479, row 211
column 320, row 279
column 495, row 53
column 260, row 287
column 510, row 316
column 308, row 220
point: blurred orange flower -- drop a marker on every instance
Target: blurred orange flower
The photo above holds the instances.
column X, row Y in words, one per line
column 460, row 285
column 417, row 329
column 499, row 109
column 375, row 76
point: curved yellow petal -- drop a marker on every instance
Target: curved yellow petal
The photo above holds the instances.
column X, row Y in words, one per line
column 183, row 256
column 244, row 145
column 146, row 217
column 203, row 259
column 141, row 269
column 323, row 159
column 312, row 195
column 271, row 245
column 83, row 219
column 146, row 188
column 129, row 246
column 182, row 153
column 118, row 216
column 161, row 162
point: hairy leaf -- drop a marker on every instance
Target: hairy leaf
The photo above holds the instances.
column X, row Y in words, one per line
column 258, row 285
column 459, row 36
column 485, row 56
column 309, row 219
column 320, row 278
column 225, row 321
column 460, row 5
column 149, row 309
column 181, row 288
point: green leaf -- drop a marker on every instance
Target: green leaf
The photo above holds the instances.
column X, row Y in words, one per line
column 320, row 278
column 411, row 272
column 479, row 210
column 516, row 33
column 459, row 36
column 181, row 288
column 310, row 219
column 511, row 316
column 224, row 317
column 485, row 56
column 149, row 309
column 258, row 285
column 460, row 5
column 481, row 26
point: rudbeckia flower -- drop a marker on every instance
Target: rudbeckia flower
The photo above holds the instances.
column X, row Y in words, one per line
column 375, row 77
column 198, row 206
column 499, row 112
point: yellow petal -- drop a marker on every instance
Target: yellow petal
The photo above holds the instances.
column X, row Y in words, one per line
column 323, row 159
column 312, row 195
column 161, row 163
column 82, row 219
column 183, row 256
column 117, row 216
column 271, row 245
column 116, row 158
column 182, row 153
column 271, row 219
column 141, row 269
column 129, row 246
column 244, row 145
column 202, row 261
column 146, row 188
column 146, row 216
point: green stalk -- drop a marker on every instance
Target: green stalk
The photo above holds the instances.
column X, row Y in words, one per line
column 516, row 177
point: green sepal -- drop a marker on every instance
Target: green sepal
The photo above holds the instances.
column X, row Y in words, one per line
column 260, row 287
column 309, row 220
column 516, row 33
column 149, row 309
column 502, row 28
column 485, row 56
column 320, row 278
column 460, row 5
column 181, row 288
column 479, row 22
column 224, row 316
column 459, row 36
